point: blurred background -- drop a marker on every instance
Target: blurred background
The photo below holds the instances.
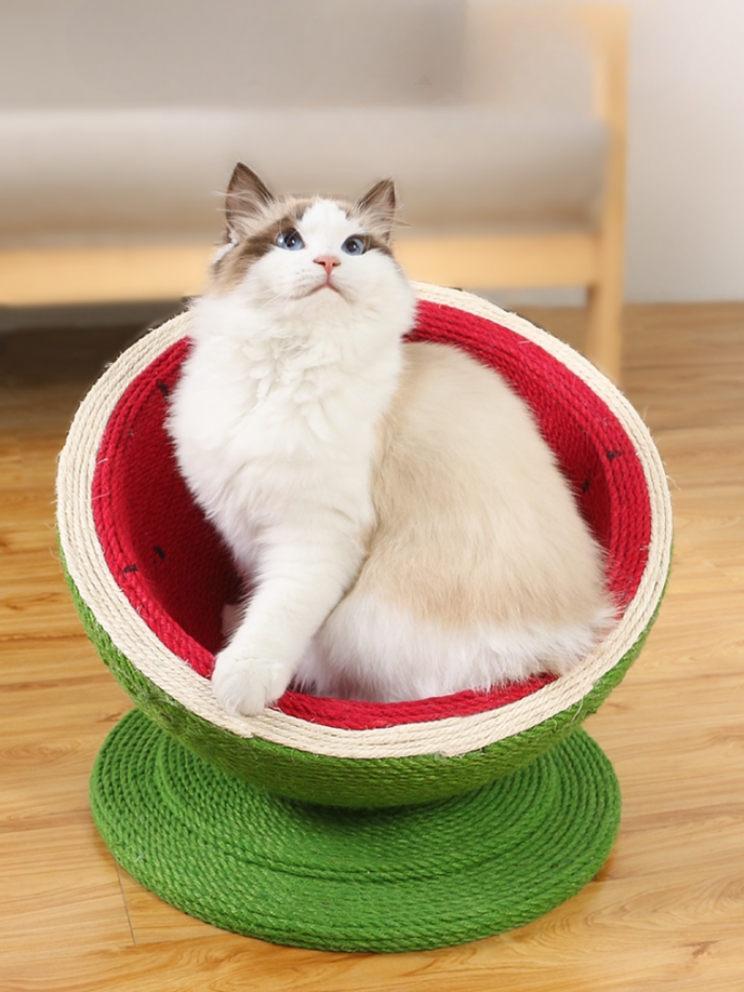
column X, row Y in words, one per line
column 545, row 153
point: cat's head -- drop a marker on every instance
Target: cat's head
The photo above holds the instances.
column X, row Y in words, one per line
column 305, row 253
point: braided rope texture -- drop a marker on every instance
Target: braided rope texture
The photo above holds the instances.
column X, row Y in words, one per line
column 342, row 880
column 352, row 782
column 177, row 574
column 449, row 747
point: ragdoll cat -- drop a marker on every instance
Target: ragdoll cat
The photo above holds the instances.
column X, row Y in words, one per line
column 400, row 520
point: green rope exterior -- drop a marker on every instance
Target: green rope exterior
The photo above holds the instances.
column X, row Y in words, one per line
column 354, row 782
column 351, row 880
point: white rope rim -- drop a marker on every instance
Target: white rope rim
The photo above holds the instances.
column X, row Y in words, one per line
column 449, row 736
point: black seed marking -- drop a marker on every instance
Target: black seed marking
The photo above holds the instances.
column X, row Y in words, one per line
column 585, row 485
column 162, row 387
column 612, row 455
column 130, row 568
column 159, row 552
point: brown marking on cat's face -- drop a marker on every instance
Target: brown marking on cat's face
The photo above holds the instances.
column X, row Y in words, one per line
column 377, row 209
column 259, row 232
column 255, row 219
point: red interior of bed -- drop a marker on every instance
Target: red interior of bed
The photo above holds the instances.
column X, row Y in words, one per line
column 177, row 575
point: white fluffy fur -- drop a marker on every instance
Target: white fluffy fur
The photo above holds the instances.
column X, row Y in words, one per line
column 273, row 419
column 371, row 650
column 276, row 421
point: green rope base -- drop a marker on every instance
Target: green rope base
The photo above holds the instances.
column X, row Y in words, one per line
column 397, row 879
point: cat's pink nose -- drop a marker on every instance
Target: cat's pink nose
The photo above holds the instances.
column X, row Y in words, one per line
column 329, row 262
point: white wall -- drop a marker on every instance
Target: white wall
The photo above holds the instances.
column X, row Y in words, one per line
column 685, row 239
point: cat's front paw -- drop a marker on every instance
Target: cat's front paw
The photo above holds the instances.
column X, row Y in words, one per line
column 247, row 685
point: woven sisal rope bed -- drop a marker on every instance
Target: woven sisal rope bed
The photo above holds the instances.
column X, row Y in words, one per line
column 342, row 825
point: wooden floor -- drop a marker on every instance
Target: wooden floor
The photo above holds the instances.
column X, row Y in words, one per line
column 667, row 910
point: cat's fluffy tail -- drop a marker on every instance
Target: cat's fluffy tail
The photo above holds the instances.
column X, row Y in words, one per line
column 369, row 650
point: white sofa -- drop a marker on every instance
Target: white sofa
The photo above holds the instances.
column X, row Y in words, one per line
column 121, row 123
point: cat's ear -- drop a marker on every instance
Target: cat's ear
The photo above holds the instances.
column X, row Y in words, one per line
column 247, row 198
column 378, row 208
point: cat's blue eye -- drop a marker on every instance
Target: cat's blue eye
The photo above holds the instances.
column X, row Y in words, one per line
column 290, row 240
column 354, row 246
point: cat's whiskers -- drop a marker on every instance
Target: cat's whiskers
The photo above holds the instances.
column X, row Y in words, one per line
column 283, row 297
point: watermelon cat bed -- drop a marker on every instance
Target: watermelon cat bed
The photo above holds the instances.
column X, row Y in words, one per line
column 346, row 825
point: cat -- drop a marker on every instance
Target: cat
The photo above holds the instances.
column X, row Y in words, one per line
column 400, row 521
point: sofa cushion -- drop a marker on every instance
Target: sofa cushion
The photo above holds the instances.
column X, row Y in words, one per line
column 90, row 175
column 231, row 53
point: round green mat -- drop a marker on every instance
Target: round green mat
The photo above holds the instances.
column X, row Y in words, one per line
column 398, row 879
